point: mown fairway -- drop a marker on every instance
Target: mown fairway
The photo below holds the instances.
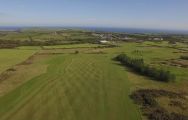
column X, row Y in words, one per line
column 75, row 87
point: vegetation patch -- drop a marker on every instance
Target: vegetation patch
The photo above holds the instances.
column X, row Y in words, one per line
column 9, row 46
column 175, row 103
column 150, row 107
column 6, row 74
column 11, row 69
column 176, row 62
column 138, row 65
column 17, row 43
column 184, row 57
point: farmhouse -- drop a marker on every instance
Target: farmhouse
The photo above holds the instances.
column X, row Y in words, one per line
column 104, row 41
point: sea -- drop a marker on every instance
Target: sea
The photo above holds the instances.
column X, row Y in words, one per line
column 102, row 29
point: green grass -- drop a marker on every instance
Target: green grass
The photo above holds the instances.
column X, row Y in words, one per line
column 11, row 57
column 81, row 87
column 48, row 34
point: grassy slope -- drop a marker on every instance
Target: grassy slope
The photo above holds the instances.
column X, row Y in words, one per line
column 81, row 87
column 10, row 57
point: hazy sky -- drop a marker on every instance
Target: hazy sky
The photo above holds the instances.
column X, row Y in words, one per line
column 165, row 14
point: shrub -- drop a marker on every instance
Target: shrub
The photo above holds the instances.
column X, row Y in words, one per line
column 184, row 57
column 76, row 52
column 138, row 66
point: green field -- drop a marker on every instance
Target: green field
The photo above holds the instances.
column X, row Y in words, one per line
column 62, row 85
column 66, row 35
column 10, row 57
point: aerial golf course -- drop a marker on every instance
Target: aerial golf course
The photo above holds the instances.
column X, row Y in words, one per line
column 82, row 81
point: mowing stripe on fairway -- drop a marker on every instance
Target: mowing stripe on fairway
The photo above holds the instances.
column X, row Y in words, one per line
column 75, row 87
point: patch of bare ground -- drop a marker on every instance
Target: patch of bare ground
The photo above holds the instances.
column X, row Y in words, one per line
column 147, row 99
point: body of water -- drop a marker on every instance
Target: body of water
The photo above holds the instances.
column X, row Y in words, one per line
column 106, row 29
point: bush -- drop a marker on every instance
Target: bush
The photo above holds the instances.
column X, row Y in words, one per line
column 147, row 99
column 139, row 66
column 76, row 52
column 184, row 57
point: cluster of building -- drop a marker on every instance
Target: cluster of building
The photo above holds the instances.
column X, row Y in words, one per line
column 107, row 37
column 156, row 39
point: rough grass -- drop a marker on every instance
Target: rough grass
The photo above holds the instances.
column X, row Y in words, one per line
column 11, row 57
column 153, row 110
column 154, row 55
column 21, row 73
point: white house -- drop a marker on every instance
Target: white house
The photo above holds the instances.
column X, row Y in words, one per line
column 104, row 41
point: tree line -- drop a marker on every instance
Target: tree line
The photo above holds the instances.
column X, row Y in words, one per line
column 138, row 65
column 17, row 43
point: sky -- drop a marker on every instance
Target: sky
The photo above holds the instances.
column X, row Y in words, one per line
column 155, row 14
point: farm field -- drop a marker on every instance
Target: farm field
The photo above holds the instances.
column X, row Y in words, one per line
column 88, row 85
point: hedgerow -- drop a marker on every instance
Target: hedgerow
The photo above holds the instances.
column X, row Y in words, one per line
column 138, row 65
